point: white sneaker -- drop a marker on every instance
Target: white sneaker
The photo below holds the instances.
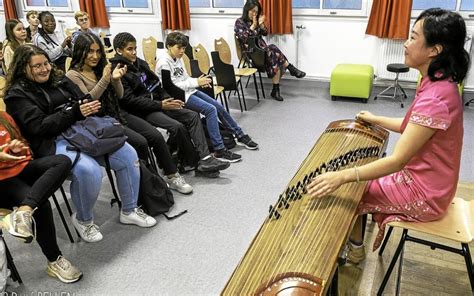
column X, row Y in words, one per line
column 179, row 184
column 137, row 217
column 88, row 232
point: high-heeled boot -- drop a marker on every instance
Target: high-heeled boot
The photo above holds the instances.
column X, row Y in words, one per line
column 276, row 92
column 295, row 71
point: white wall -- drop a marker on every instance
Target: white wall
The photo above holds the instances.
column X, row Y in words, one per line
column 326, row 41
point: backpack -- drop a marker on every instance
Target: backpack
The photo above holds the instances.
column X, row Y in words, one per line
column 96, row 136
column 154, row 197
column 226, row 134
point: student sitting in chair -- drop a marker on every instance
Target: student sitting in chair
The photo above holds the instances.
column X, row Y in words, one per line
column 145, row 97
column 28, row 183
column 200, row 102
column 252, row 24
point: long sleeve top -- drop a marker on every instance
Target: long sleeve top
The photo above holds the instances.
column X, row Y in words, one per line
column 179, row 76
column 53, row 46
column 93, row 87
column 9, row 169
column 243, row 32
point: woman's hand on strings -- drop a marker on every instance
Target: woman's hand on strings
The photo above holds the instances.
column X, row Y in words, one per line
column 325, row 184
column 366, row 116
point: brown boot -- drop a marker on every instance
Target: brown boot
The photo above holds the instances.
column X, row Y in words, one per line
column 276, row 92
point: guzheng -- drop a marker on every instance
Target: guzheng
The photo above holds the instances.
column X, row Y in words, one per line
column 296, row 249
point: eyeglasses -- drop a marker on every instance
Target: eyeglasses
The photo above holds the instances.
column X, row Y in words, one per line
column 38, row 67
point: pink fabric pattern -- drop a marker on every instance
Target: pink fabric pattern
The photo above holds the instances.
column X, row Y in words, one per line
column 424, row 188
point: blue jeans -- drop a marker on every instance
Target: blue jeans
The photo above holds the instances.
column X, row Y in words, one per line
column 87, row 178
column 213, row 111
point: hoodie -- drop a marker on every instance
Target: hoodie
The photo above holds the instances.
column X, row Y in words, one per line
column 143, row 91
column 178, row 74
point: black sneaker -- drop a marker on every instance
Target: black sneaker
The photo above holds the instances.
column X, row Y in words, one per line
column 208, row 174
column 212, row 164
column 247, row 142
column 227, row 155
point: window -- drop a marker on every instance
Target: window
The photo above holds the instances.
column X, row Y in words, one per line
column 129, row 6
column 53, row 5
column 425, row 4
column 464, row 7
column 216, row 6
column 330, row 7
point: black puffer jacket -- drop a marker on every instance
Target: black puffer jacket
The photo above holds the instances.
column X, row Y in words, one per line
column 136, row 98
column 39, row 123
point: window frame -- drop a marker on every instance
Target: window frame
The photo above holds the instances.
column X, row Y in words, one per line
column 123, row 10
column 68, row 8
column 466, row 14
column 216, row 10
column 362, row 12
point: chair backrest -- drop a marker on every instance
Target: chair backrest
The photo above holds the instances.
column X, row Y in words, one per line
column 201, row 55
column 187, row 64
column 150, row 46
column 238, row 48
column 2, row 87
column 67, row 64
column 170, row 87
column 68, row 31
column 195, row 70
column 221, row 46
column 108, row 48
column 225, row 74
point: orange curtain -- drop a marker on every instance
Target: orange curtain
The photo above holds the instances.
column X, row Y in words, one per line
column 97, row 12
column 175, row 15
column 10, row 9
column 278, row 16
column 390, row 19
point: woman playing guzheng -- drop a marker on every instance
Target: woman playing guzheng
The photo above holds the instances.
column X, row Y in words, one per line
column 418, row 181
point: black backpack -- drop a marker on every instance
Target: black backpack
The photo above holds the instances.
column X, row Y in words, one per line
column 226, row 134
column 154, row 197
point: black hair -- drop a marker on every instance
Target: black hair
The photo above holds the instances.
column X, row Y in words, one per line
column 121, row 40
column 21, row 60
column 81, row 49
column 176, row 38
column 41, row 31
column 448, row 29
column 249, row 5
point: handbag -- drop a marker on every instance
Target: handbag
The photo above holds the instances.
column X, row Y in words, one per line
column 96, row 136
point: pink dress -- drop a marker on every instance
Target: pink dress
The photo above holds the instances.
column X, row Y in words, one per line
column 424, row 188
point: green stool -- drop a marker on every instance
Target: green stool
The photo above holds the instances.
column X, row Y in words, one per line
column 352, row 80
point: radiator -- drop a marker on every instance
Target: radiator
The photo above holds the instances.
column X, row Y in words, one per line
column 392, row 51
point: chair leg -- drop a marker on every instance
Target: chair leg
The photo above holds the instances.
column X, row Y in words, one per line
column 256, row 86
column 261, row 84
column 392, row 263
column 385, row 241
column 240, row 102
column 399, row 274
column 247, row 83
column 467, row 257
column 62, row 218
column 225, row 101
column 243, row 95
column 68, row 206
column 11, row 265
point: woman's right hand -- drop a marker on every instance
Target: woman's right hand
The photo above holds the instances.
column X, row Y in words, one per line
column 107, row 71
column 367, row 117
column 89, row 108
column 204, row 81
column 67, row 42
column 254, row 25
